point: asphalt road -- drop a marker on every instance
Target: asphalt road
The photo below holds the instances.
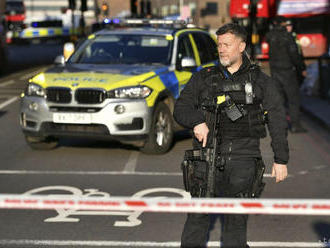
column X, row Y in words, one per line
column 99, row 168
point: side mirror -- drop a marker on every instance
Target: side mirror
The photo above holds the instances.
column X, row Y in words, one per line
column 188, row 62
column 59, row 60
column 68, row 50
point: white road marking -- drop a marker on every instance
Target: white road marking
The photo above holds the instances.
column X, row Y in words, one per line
column 135, row 173
column 83, row 243
column 31, row 74
column 69, row 215
column 24, row 75
column 6, row 103
column 7, row 83
column 83, row 173
column 319, row 167
column 5, row 96
column 11, row 91
column 268, row 175
column 131, row 163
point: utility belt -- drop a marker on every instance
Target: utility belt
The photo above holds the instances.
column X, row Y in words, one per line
column 195, row 168
column 258, row 184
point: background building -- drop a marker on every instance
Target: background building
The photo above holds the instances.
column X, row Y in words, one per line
column 42, row 9
column 113, row 8
column 204, row 13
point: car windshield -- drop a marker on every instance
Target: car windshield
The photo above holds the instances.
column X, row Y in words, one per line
column 124, row 49
column 15, row 6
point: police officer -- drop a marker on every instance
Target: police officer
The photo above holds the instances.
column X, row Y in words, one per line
column 239, row 137
column 285, row 61
column 301, row 70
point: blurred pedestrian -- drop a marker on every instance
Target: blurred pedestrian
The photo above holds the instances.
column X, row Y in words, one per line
column 285, row 61
column 301, row 72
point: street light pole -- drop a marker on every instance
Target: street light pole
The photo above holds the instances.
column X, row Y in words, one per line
column 197, row 12
column 252, row 26
column 181, row 7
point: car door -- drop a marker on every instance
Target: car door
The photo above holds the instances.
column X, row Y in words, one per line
column 206, row 48
column 184, row 49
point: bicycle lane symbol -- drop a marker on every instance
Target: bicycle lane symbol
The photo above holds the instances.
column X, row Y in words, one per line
column 65, row 215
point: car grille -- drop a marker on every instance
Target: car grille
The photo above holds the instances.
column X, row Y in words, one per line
column 90, row 96
column 74, row 109
column 58, row 95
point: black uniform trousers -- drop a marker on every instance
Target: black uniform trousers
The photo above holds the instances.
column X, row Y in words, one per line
column 236, row 178
column 286, row 81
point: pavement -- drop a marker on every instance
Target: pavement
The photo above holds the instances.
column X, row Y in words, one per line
column 317, row 108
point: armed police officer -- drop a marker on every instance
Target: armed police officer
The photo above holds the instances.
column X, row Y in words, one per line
column 285, row 63
column 301, row 70
column 226, row 103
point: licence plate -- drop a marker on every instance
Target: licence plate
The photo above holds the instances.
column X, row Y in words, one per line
column 72, row 118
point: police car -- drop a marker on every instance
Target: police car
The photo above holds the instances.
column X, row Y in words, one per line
column 120, row 83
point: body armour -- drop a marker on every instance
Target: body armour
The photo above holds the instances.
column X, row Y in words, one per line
column 241, row 111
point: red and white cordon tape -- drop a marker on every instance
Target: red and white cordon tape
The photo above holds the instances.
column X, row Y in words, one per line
column 175, row 205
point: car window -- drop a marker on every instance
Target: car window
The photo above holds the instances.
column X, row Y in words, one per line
column 184, row 50
column 204, row 47
column 213, row 50
column 15, row 6
column 124, row 49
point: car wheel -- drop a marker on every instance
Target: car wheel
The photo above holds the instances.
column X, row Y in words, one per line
column 161, row 131
column 41, row 143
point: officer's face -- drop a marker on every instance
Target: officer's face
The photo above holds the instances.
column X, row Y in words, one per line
column 230, row 48
column 289, row 28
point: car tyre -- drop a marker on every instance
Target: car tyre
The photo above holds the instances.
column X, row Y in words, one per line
column 161, row 132
column 41, row 143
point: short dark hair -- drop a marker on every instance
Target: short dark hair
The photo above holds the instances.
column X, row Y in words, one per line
column 234, row 29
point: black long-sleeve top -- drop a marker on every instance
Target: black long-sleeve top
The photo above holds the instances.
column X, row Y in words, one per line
column 283, row 50
column 188, row 114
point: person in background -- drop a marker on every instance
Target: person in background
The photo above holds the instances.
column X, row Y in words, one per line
column 301, row 74
column 286, row 62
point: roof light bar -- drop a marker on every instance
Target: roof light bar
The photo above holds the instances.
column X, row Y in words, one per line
column 144, row 21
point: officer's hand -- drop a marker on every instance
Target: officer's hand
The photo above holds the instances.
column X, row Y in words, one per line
column 304, row 73
column 280, row 171
column 200, row 132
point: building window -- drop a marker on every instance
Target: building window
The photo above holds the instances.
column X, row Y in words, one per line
column 211, row 9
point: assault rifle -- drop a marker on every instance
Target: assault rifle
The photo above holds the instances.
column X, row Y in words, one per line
column 213, row 156
column 199, row 165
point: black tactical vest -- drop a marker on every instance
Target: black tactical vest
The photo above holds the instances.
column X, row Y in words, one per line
column 252, row 122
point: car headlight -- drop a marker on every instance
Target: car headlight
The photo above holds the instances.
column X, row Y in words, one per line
column 35, row 90
column 130, row 92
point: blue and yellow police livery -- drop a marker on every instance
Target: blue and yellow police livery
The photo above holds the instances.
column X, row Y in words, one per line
column 119, row 84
